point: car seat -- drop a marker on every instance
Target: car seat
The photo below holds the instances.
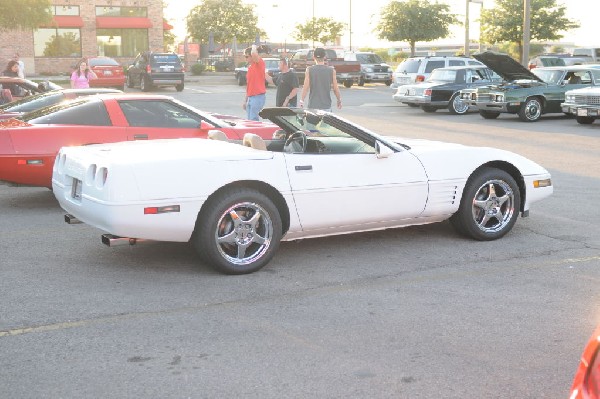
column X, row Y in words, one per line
column 254, row 141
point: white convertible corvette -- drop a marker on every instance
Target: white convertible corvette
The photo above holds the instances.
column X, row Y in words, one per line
column 320, row 175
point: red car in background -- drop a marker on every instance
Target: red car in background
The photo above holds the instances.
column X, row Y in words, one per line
column 109, row 72
column 29, row 144
column 586, row 384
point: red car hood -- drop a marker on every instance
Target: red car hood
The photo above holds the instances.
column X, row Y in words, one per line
column 10, row 123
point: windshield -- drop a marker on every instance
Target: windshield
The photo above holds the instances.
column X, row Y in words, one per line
column 272, row 64
column 548, row 75
column 409, row 66
column 443, row 75
column 102, row 61
column 369, row 58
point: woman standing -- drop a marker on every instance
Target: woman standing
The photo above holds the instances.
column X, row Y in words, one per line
column 81, row 76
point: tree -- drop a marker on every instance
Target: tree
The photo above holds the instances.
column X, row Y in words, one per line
column 504, row 23
column 24, row 14
column 168, row 39
column 415, row 21
column 224, row 19
column 322, row 30
column 64, row 45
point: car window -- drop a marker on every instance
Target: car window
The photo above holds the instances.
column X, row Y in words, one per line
column 171, row 59
column 103, row 61
column 158, row 113
column 84, row 112
column 549, row 76
column 369, row 58
column 443, row 75
column 456, row 63
column 31, row 103
column 431, row 65
column 409, row 66
column 475, row 63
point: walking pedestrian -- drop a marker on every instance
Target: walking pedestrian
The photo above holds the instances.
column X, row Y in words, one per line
column 255, row 83
column 319, row 80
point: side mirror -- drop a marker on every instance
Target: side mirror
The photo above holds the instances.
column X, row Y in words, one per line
column 382, row 150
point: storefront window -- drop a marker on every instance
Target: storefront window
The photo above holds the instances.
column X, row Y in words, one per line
column 57, row 43
column 121, row 42
column 110, row 11
column 65, row 10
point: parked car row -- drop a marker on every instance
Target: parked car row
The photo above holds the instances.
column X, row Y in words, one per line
column 502, row 85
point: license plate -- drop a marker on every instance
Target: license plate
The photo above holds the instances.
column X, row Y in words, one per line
column 582, row 112
column 167, row 68
column 76, row 189
column 107, row 73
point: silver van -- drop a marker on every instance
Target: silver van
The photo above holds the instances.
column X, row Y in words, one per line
column 418, row 69
column 591, row 54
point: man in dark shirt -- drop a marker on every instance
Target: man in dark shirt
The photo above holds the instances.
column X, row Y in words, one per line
column 287, row 85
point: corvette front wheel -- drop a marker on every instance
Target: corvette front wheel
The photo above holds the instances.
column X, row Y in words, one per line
column 489, row 206
column 238, row 231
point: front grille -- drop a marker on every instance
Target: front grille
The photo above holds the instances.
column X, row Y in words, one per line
column 587, row 100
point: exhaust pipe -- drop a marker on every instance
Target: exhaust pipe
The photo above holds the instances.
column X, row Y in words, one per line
column 70, row 219
column 112, row 240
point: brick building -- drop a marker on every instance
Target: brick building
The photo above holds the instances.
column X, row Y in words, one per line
column 84, row 28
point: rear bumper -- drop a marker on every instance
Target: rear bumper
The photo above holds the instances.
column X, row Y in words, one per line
column 167, row 79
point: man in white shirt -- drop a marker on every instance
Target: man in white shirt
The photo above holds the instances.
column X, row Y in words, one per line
column 21, row 65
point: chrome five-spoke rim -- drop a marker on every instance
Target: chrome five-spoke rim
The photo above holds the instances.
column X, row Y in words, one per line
column 493, row 206
column 244, row 233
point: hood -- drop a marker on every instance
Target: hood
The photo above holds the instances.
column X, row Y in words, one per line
column 505, row 66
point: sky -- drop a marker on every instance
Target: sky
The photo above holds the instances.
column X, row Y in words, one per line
column 279, row 18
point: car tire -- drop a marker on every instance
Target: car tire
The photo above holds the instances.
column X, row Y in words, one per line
column 180, row 87
column 145, row 84
column 348, row 84
column 531, row 110
column 388, row 82
column 457, row 106
column 238, row 231
column 428, row 108
column 489, row 206
column 489, row 114
column 240, row 80
column 413, row 105
column 584, row 120
column 129, row 81
column 361, row 81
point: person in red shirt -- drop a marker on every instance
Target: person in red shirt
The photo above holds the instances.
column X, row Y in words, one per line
column 255, row 87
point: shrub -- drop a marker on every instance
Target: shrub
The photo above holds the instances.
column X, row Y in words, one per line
column 198, row 68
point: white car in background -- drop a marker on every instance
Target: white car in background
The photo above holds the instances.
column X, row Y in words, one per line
column 323, row 176
column 418, row 69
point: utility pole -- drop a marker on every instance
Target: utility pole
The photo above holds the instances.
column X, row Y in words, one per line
column 526, row 31
column 467, row 44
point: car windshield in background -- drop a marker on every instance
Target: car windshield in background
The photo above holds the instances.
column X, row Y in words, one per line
column 272, row 64
column 369, row 58
column 552, row 61
column 409, row 66
column 443, row 75
column 31, row 103
column 548, row 76
column 165, row 58
column 103, row 61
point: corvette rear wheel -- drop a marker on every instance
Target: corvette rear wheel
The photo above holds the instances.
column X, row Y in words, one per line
column 238, row 231
column 531, row 110
column 489, row 206
column 457, row 106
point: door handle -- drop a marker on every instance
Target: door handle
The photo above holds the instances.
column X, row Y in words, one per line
column 140, row 137
column 303, row 167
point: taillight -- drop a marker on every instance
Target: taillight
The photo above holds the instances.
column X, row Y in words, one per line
column 427, row 92
column 420, row 78
column 148, row 69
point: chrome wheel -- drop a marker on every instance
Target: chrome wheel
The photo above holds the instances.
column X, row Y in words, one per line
column 531, row 110
column 243, row 233
column 493, row 206
column 489, row 206
column 457, row 105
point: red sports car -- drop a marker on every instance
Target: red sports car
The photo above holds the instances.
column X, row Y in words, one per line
column 28, row 145
column 586, row 384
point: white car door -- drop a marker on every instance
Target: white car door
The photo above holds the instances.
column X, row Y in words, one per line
column 359, row 189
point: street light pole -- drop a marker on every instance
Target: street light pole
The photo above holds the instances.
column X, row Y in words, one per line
column 526, row 31
column 467, row 44
column 313, row 24
column 350, row 32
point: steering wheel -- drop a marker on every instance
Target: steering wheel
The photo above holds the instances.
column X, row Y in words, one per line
column 295, row 143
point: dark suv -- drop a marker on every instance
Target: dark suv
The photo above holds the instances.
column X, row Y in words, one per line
column 156, row 69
